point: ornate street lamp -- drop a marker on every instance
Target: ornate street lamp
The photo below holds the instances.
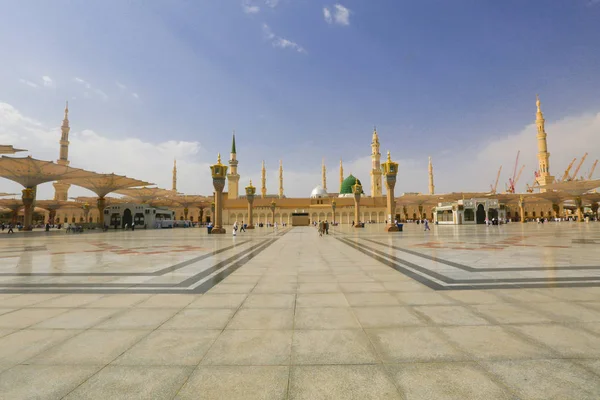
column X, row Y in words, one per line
column 390, row 170
column 250, row 192
column 357, row 191
column 218, row 172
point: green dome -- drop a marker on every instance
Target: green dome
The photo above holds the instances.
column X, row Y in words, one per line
column 348, row 183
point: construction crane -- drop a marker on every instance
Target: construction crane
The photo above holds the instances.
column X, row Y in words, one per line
column 493, row 188
column 512, row 182
column 566, row 174
column 578, row 167
column 592, row 170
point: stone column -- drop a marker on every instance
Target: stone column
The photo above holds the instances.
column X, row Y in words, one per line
column 556, row 209
column 28, row 196
column 522, row 208
column 333, row 206
column 579, row 205
column 219, row 171
column 51, row 216
column 390, row 170
column 357, row 191
column 273, row 206
column 185, row 213
column 250, row 192
column 101, row 203
column 86, row 212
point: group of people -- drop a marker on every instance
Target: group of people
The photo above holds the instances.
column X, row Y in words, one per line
column 323, row 228
column 241, row 227
column 9, row 226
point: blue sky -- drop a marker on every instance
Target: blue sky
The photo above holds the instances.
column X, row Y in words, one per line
column 436, row 76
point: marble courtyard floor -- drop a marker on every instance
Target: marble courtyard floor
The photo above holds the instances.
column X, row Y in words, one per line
column 509, row 312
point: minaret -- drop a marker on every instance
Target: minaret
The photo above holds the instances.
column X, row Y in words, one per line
column 341, row 175
column 280, row 179
column 233, row 178
column 376, row 174
column 431, row 186
column 61, row 189
column 174, row 188
column 544, row 177
column 324, row 175
column 263, row 178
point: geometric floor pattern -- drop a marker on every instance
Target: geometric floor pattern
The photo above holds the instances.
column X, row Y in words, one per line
column 510, row 312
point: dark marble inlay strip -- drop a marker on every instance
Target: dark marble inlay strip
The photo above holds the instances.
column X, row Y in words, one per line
column 419, row 278
column 196, row 277
column 448, row 280
column 472, row 269
column 155, row 273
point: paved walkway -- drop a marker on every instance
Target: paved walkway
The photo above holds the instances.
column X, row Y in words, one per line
column 289, row 315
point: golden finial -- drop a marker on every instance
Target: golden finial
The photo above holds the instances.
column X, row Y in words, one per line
column 537, row 102
column 250, row 182
column 67, row 109
column 219, row 159
column 389, row 157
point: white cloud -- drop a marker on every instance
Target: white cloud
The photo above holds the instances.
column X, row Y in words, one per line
column 280, row 42
column 91, row 150
column 28, row 83
column 341, row 15
column 250, row 8
column 48, row 82
column 135, row 95
column 272, row 3
column 327, row 15
column 121, row 86
column 91, row 91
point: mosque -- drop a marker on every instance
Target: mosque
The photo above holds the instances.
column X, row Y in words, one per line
column 555, row 198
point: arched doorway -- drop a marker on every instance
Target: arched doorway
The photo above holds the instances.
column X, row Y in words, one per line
column 127, row 218
column 480, row 214
column 493, row 213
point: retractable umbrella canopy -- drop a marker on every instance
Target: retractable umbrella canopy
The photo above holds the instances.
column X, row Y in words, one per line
column 30, row 172
column 9, row 149
column 103, row 184
column 144, row 194
column 576, row 188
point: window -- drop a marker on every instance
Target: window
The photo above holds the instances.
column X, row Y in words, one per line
column 469, row 215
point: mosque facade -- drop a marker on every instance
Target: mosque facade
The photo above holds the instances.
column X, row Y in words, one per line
column 338, row 206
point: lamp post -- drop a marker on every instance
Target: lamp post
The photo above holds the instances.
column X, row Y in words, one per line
column 218, row 172
column 357, row 191
column 333, row 206
column 273, row 205
column 250, row 192
column 390, row 170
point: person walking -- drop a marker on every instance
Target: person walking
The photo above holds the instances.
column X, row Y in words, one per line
column 320, row 228
column 242, row 227
column 10, row 229
column 326, row 227
column 235, row 228
column 426, row 223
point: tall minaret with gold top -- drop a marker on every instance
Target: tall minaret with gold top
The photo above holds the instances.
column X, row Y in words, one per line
column 376, row 175
column 174, row 187
column 280, row 179
column 263, row 179
column 61, row 190
column 431, row 186
column 543, row 176
column 341, row 175
column 233, row 178
column 323, row 175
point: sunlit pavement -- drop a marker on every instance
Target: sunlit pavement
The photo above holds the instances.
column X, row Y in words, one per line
column 499, row 312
